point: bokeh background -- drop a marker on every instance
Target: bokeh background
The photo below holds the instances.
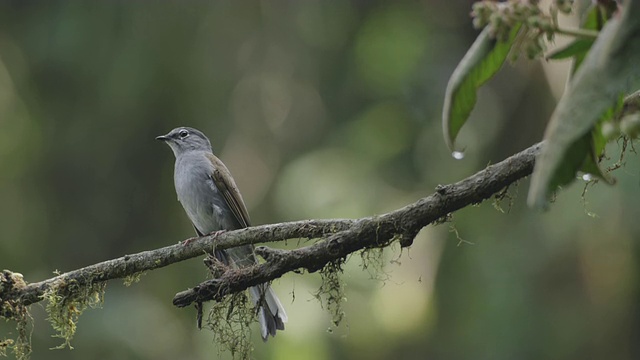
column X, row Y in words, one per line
column 321, row 109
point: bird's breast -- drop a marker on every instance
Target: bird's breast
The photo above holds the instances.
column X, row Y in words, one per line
column 198, row 195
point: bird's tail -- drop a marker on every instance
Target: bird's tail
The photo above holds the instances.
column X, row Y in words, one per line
column 271, row 314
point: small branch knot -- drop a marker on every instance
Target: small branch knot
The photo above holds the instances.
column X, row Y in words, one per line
column 333, row 246
column 270, row 254
column 407, row 237
column 215, row 266
column 10, row 284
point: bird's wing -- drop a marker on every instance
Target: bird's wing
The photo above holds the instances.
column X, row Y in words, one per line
column 224, row 182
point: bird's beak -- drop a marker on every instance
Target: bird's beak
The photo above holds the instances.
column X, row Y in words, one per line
column 163, row 138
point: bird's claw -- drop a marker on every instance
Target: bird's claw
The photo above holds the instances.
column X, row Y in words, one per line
column 188, row 241
column 216, row 233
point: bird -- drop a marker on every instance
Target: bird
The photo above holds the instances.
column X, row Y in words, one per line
column 213, row 203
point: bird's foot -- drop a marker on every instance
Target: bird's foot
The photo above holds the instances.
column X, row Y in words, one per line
column 188, row 241
column 216, row 233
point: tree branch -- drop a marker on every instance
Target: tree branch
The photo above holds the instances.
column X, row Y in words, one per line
column 149, row 260
column 342, row 237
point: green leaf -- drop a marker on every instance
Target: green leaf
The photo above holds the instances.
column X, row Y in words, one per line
column 591, row 163
column 608, row 71
column 594, row 19
column 597, row 143
column 575, row 48
column 483, row 60
column 572, row 160
column 583, row 154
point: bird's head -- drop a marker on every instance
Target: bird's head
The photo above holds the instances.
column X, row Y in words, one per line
column 184, row 139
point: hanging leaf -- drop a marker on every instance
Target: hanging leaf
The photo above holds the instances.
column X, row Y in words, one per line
column 483, row 60
column 595, row 19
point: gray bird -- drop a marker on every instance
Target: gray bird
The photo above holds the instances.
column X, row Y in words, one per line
column 213, row 202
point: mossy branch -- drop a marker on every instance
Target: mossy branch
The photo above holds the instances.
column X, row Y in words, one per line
column 131, row 265
column 340, row 238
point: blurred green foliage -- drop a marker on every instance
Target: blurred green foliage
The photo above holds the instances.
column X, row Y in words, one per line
column 320, row 109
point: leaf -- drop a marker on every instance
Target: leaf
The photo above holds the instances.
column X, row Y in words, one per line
column 594, row 141
column 597, row 142
column 575, row 48
column 583, row 154
column 481, row 62
column 595, row 18
column 608, row 71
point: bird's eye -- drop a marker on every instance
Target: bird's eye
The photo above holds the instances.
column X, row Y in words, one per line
column 183, row 134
